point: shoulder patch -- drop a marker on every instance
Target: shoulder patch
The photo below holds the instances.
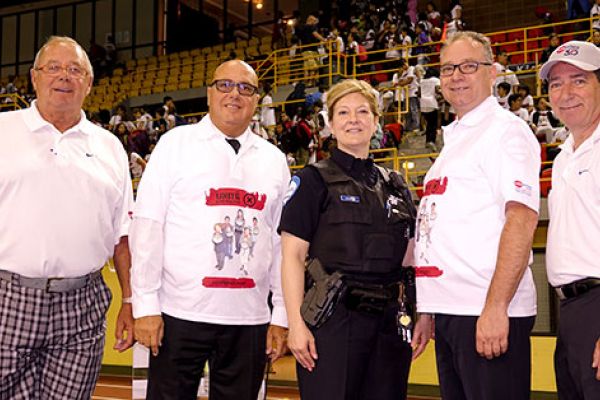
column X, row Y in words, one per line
column 294, row 185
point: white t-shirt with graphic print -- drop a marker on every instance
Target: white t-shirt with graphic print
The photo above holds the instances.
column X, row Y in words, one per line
column 490, row 158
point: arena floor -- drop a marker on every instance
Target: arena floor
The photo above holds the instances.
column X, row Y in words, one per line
column 119, row 388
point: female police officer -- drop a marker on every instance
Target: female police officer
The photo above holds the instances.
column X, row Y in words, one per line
column 357, row 220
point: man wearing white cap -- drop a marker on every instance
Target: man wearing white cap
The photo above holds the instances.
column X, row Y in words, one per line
column 573, row 75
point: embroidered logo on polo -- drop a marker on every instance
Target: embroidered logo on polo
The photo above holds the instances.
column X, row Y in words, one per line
column 235, row 197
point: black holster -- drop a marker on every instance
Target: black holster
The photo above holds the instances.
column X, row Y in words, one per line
column 323, row 294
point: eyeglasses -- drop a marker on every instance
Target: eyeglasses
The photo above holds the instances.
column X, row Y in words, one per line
column 227, row 85
column 75, row 71
column 467, row 67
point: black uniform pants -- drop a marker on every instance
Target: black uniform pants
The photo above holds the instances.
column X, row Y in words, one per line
column 465, row 375
column 578, row 331
column 360, row 356
column 236, row 360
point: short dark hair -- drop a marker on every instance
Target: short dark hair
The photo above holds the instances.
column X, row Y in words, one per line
column 513, row 97
column 505, row 86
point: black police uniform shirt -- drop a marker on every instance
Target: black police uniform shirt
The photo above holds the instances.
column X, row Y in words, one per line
column 307, row 196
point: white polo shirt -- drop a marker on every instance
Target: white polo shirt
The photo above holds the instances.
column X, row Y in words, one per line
column 489, row 158
column 572, row 250
column 65, row 198
column 219, row 214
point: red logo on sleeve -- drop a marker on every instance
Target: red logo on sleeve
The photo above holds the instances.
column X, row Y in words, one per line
column 235, row 197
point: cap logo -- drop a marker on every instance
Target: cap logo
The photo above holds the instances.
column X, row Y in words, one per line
column 568, row 50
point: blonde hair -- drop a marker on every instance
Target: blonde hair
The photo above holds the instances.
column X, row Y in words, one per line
column 68, row 41
column 474, row 37
column 349, row 86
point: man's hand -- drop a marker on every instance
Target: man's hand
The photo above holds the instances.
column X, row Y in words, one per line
column 149, row 332
column 422, row 333
column 124, row 325
column 596, row 359
column 276, row 342
column 492, row 333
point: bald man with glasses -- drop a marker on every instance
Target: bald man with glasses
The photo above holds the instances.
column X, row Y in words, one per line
column 212, row 192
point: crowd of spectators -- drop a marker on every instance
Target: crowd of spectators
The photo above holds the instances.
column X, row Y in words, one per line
column 403, row 32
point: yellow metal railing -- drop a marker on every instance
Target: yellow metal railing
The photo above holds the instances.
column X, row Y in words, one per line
column 12, row 101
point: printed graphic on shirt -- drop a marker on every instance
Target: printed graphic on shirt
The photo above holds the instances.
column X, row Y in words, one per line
column 234, row 242
column 235, row 197
column 234, row 238
column 426, row 218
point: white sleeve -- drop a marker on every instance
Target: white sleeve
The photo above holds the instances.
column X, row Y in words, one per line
column 122, row 215
column 146, row 242
column 279, row 316
column 513, row 168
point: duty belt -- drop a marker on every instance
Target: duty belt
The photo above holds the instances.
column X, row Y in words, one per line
column 576, row 288
column 49, row 285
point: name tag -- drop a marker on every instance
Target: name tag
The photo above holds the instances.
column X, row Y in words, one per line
column 347, row 198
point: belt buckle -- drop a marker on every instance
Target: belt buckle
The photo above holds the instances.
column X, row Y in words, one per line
column 49, row 284
column 559, row 293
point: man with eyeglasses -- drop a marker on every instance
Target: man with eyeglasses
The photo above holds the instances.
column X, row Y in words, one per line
column 481, row 199
column 65, row 199
column 191, row 304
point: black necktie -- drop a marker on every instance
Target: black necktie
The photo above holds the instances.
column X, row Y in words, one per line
column 235, row 144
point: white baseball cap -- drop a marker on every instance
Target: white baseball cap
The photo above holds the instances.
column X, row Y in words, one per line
column 583, row 55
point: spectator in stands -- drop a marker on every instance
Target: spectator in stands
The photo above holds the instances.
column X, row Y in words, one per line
column 297, row 94
column 97, row 56
column 118, row 117
column 544, row 122
column 595, row 13
column 304, row 132
column 159, row 124
column 527, row 102
column 122, row 132
column 552, row 45
column 421, row 50
column 309, row 36
column 406, row 77
column 503, row 73
column 110, row 53
column 142, row 120
column 430, row 92
column 514, row 105
column 502, row 93
column 267, row 111
column 596, row 37
column 315, row 96
column 406, row 42
column 453, row 21
column 433, row 15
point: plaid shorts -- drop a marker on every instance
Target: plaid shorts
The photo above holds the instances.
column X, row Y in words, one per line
column 51, row 344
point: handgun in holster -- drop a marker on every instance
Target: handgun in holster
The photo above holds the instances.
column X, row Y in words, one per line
column 324, row 292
